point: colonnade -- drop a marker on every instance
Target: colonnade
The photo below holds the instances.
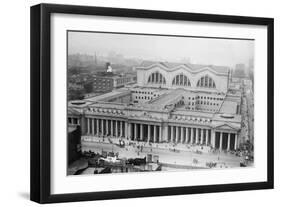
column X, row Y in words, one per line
column 73, row 120
column 145, row 132
column 154, row 132
column 225, row 140
column 106, row 127
column 189, row 135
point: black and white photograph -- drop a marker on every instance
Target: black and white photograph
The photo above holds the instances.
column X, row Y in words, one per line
column 134, row 103
column 141, row 103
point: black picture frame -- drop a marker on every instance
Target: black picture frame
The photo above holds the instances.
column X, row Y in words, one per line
column 41, row 102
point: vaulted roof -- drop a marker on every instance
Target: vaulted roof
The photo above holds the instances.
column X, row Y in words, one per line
column 171, row 66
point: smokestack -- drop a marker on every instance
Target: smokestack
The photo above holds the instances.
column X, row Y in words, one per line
column 108, row 68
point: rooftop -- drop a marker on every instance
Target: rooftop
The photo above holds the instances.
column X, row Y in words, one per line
column 193, row 113
column 110, row 95
column 228, row 107
column 103, row 104
column 221, row 118
column 193, row 67
column 113, row 75
column 168, row 97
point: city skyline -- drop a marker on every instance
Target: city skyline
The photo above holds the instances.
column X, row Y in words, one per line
column 209, row 51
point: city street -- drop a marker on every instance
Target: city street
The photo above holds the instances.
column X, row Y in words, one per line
column 166, row 155
column 247, row 112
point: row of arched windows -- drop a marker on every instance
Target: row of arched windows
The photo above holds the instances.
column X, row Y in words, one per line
column 157, row 78
column 181, row 80
column 206, row 82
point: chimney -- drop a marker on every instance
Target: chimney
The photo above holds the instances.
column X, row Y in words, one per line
column 108, row 68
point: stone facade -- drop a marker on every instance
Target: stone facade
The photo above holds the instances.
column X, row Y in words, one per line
column 185, row 113
column 220, row 77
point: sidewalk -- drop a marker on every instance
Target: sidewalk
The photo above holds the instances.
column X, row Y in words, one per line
column 166, row 146
column 182, row 155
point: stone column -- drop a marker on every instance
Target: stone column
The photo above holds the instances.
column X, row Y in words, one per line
column 148, row 133
column 88, row 125
column 160, row 133
column 135, row 131
column 154, row 134
column 177, row 134
column 98, row 127
column 197, row 133
column 141, row 132
column 84, row 125
column 129, row 135
column 116, row 128
column 93, row 126
column 186, row 135
column 235, row 143
column 191, row 135
column 126, row 129
column 182, row 135
column 207, row 137
column 102, row 127
column 202, row 133
column 121, row 128
column 172, row 133
column 106, row 127
column 228, row 142
column 165, row 132
column 111, row 128
column 213, row 138
column 220, row 140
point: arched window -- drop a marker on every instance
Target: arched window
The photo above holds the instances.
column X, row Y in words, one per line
column 206, row 82
column 156, row 78
column 181, row 80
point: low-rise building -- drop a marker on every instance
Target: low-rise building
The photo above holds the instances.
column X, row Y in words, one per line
column 107, row 81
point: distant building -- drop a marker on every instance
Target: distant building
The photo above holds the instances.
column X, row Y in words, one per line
column 107, row 81
column 240, row 71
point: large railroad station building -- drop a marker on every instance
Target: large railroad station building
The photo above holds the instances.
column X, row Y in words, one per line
column 171, row 102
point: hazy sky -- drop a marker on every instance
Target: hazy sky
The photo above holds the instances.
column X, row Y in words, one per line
column 163, row 48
